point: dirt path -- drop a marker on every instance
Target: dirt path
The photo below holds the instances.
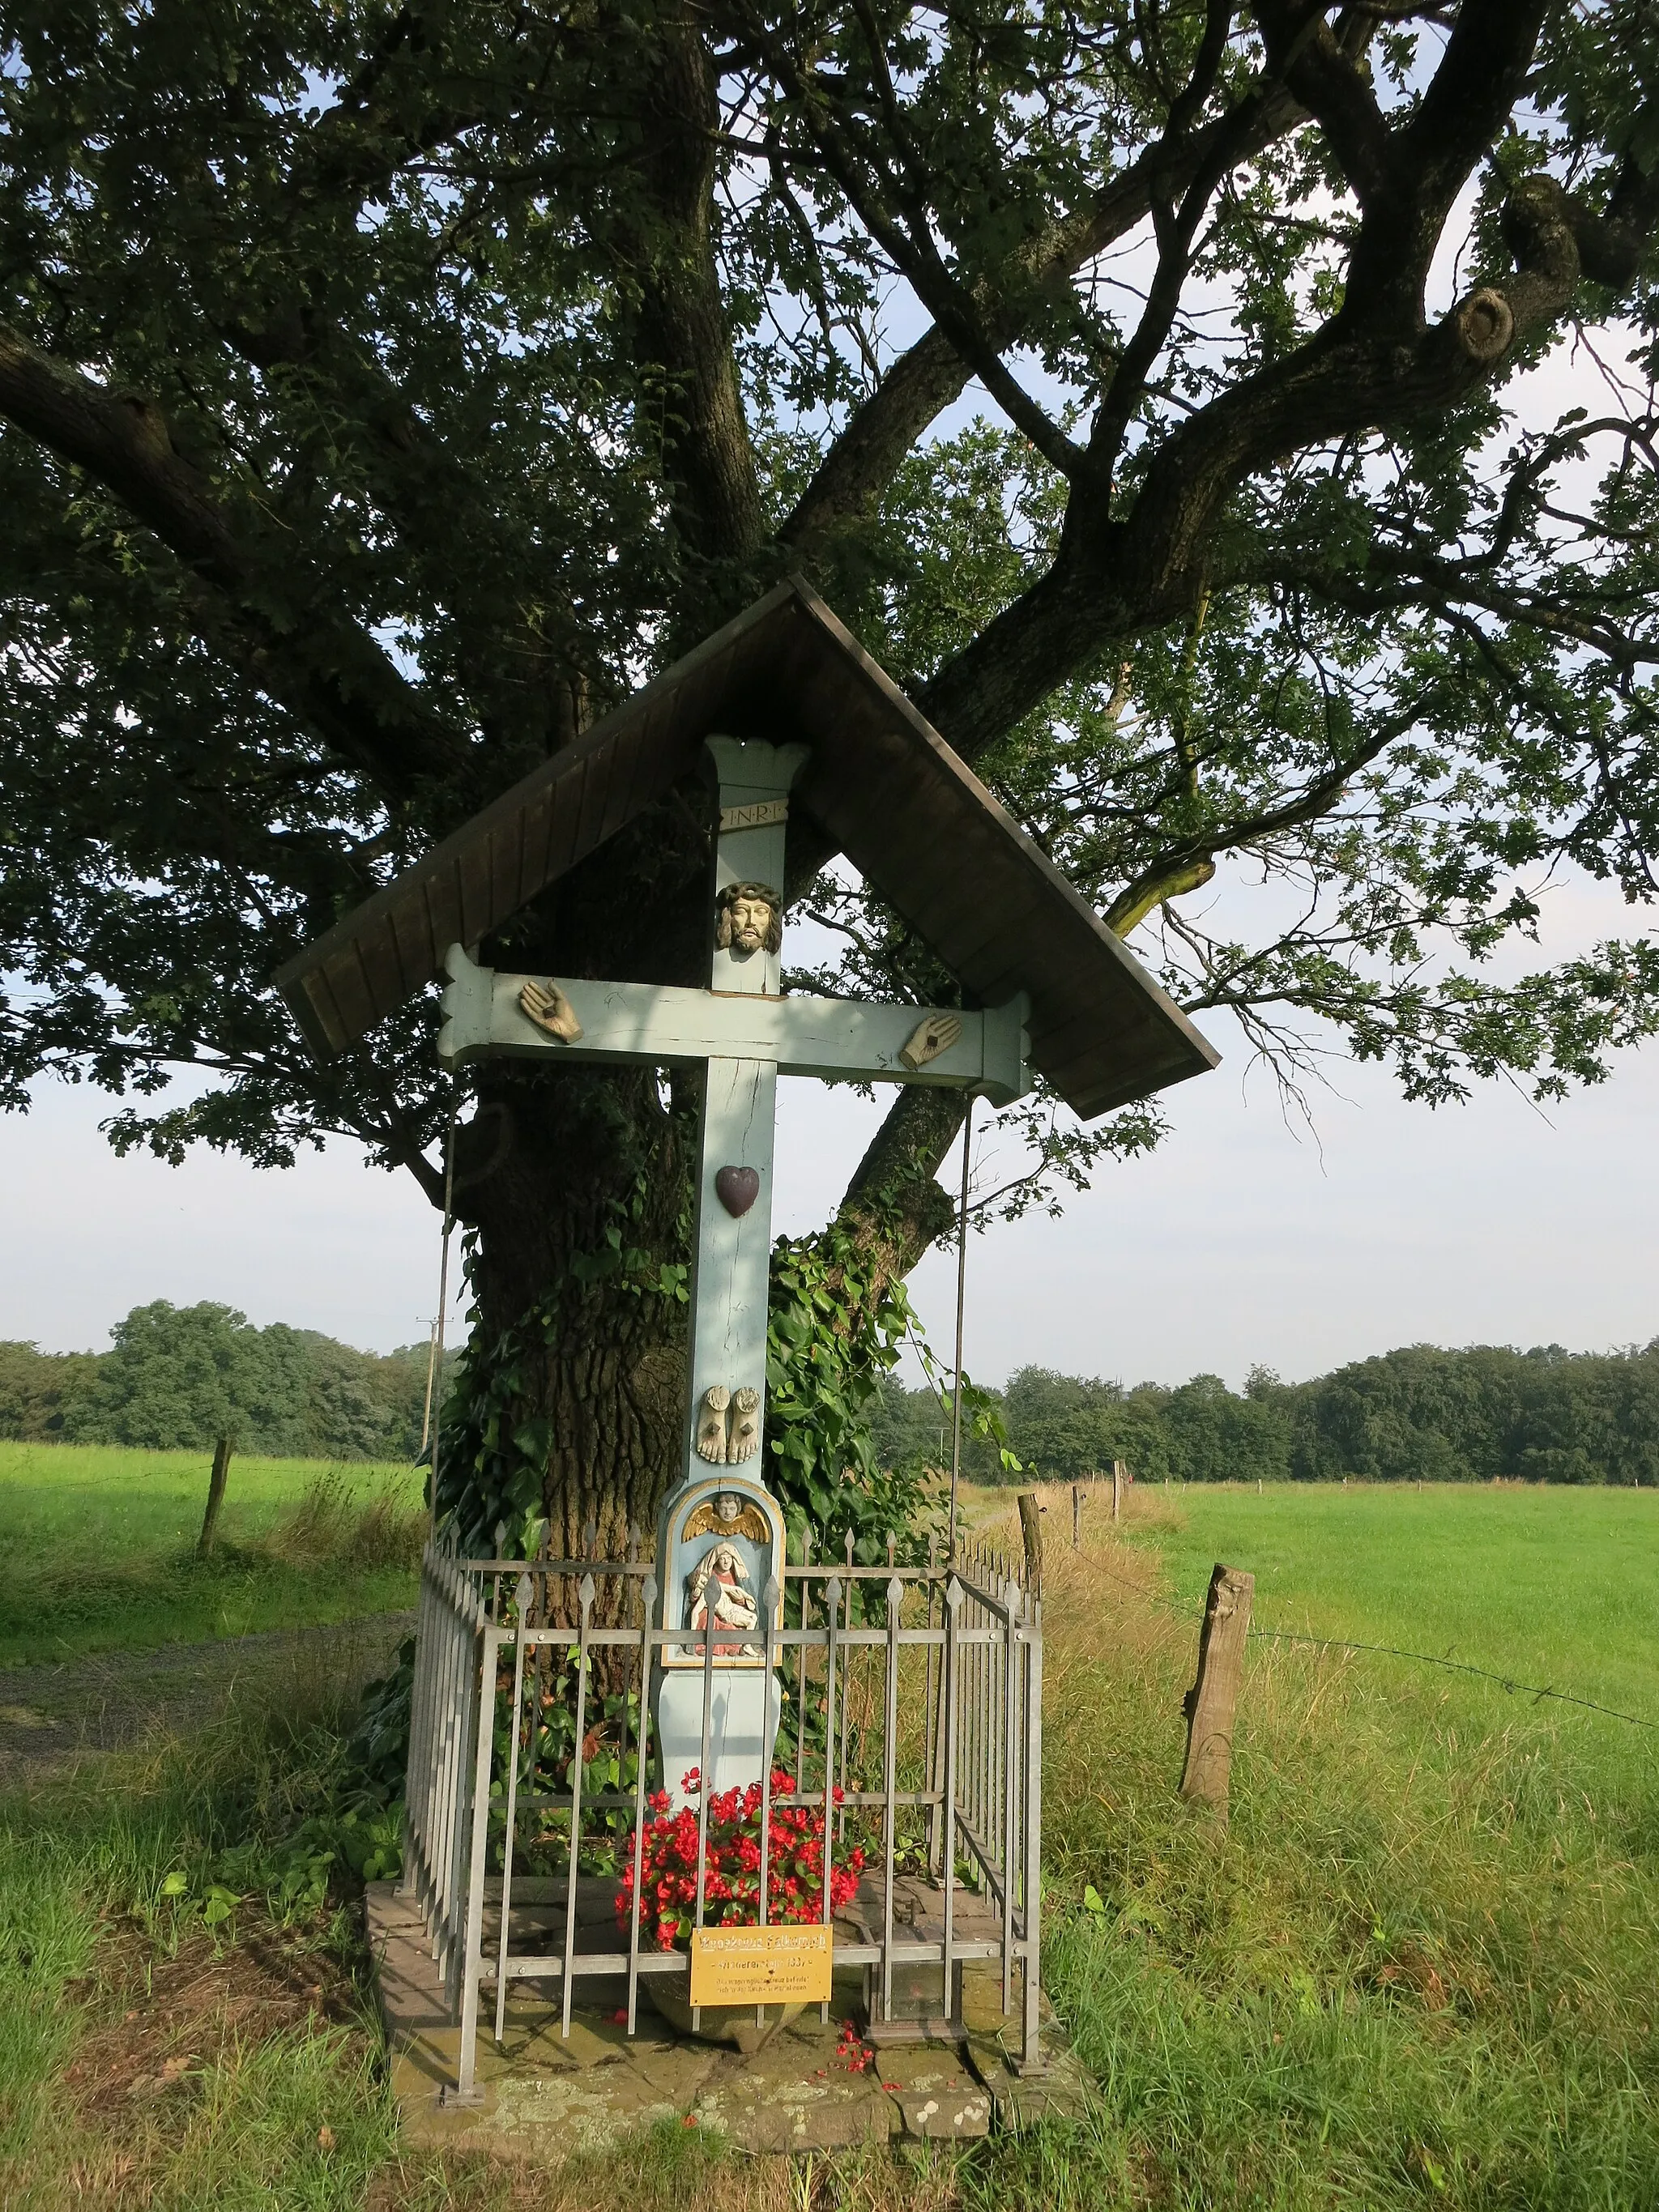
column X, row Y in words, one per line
column 114, row 1700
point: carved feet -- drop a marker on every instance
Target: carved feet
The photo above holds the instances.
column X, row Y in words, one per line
column 711, row 1423
column 728, row 1425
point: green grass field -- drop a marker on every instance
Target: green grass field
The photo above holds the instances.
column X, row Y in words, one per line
column 1419, row 1966
column 1556, row 1586
column 100, row 1547
column 1415, row 1970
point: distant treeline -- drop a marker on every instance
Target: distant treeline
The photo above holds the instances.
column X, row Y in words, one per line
column 182, row 1377
column 1547, row 1415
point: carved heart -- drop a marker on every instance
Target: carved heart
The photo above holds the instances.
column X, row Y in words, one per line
column 737, row 1188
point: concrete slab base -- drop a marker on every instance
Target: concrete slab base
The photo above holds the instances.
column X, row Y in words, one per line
column 810, row 2086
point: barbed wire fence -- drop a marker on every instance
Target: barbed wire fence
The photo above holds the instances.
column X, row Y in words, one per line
column 1455, row 1665
column 1537, row 1693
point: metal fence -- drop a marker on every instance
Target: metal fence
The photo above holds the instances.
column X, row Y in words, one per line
column 911, row 1728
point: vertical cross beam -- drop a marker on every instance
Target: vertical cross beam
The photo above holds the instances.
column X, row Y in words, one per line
column 726, row 1730
column 732, row 1251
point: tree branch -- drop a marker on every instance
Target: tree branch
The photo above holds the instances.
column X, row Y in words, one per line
column 715, row 489
column 324, row 667
column 1305, row 54
column 1112, row 576
column 524, row 687
column 1175, row 228
column 893, row 1195
column 910, row 246
column 1190, row 863
column 1154, row 887
column 1482, row 75
column 924, row 381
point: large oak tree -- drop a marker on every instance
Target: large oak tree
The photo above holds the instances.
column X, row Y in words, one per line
column 385, row 389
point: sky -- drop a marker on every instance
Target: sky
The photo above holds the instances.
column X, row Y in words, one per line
column 1242, row 1241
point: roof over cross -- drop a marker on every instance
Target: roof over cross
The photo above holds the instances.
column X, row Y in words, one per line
column 878, row 784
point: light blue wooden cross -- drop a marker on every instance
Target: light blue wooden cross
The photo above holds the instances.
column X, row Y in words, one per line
column 744, row 1032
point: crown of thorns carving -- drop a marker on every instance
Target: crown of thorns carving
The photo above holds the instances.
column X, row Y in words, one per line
column 737, row 895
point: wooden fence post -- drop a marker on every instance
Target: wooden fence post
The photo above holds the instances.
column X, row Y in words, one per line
column 216, row 1496
column 1212, row 1700
column 1077, row 1515
column 1117, row 1487
column 1030, row 1527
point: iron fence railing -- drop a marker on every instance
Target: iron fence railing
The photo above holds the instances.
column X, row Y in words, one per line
column 911, row 1726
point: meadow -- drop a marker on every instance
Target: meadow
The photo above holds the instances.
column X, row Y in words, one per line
column 1551, row 1585
column 1416, row 1968
column 101, row 1547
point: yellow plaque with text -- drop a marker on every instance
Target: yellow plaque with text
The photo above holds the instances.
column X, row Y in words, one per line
column 761, row 1965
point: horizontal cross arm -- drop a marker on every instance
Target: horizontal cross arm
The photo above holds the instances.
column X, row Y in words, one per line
column 655, row 1024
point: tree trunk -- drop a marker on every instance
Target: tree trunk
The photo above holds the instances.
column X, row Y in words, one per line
column 577, row 1185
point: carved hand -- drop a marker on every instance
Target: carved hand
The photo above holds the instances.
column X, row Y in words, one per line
column 546, row 1004
column 936, row 1034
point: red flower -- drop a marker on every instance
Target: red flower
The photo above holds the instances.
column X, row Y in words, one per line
column 666, row 1883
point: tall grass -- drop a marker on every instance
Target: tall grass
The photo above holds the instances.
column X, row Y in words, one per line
column 338, row 1523
column 1418, row 1966
column 240, row 2103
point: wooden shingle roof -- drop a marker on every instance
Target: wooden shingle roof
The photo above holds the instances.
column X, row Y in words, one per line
column 883, row 785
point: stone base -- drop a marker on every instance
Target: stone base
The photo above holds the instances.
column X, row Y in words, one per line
column 542, row 2096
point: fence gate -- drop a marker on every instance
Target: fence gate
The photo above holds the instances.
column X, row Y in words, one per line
column 911, row 1731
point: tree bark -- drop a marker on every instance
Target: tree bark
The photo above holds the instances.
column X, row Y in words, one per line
column 577, row 1185
column 706, row 456
column 893, row 1203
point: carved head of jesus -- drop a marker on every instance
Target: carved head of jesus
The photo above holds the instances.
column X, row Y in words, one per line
column 749, row 918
